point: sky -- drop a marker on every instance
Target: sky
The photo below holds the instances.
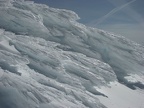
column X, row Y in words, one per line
column 124, row 17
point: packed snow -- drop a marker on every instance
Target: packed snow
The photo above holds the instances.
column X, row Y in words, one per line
column 49, row 60
column 119, row 96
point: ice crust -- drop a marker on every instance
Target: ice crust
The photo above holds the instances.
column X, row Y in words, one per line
column 48, row 60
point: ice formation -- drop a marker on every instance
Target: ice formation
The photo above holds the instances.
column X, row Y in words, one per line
column 49, row 60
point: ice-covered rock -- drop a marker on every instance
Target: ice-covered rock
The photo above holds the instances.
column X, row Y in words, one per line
column 47, row 59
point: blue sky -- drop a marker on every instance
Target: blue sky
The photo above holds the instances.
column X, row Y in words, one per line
column 125, row 17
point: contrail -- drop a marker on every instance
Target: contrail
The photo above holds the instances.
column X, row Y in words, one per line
column 100, row 20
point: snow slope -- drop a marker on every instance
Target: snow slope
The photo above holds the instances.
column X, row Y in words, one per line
column 119, row 96
column 48, row 60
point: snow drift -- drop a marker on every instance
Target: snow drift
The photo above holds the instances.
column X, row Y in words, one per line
column 48, row 60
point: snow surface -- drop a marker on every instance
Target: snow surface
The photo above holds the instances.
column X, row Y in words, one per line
column 48, row 60
column 120, row 96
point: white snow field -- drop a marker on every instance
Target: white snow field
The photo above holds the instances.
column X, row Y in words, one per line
column 49, row 60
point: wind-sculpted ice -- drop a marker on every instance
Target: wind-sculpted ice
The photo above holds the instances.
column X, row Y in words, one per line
column 48, row 60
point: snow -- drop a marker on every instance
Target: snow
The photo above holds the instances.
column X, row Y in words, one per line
column 47, row 59
column 5, row 44
column 121, row 96
column 135, row 78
